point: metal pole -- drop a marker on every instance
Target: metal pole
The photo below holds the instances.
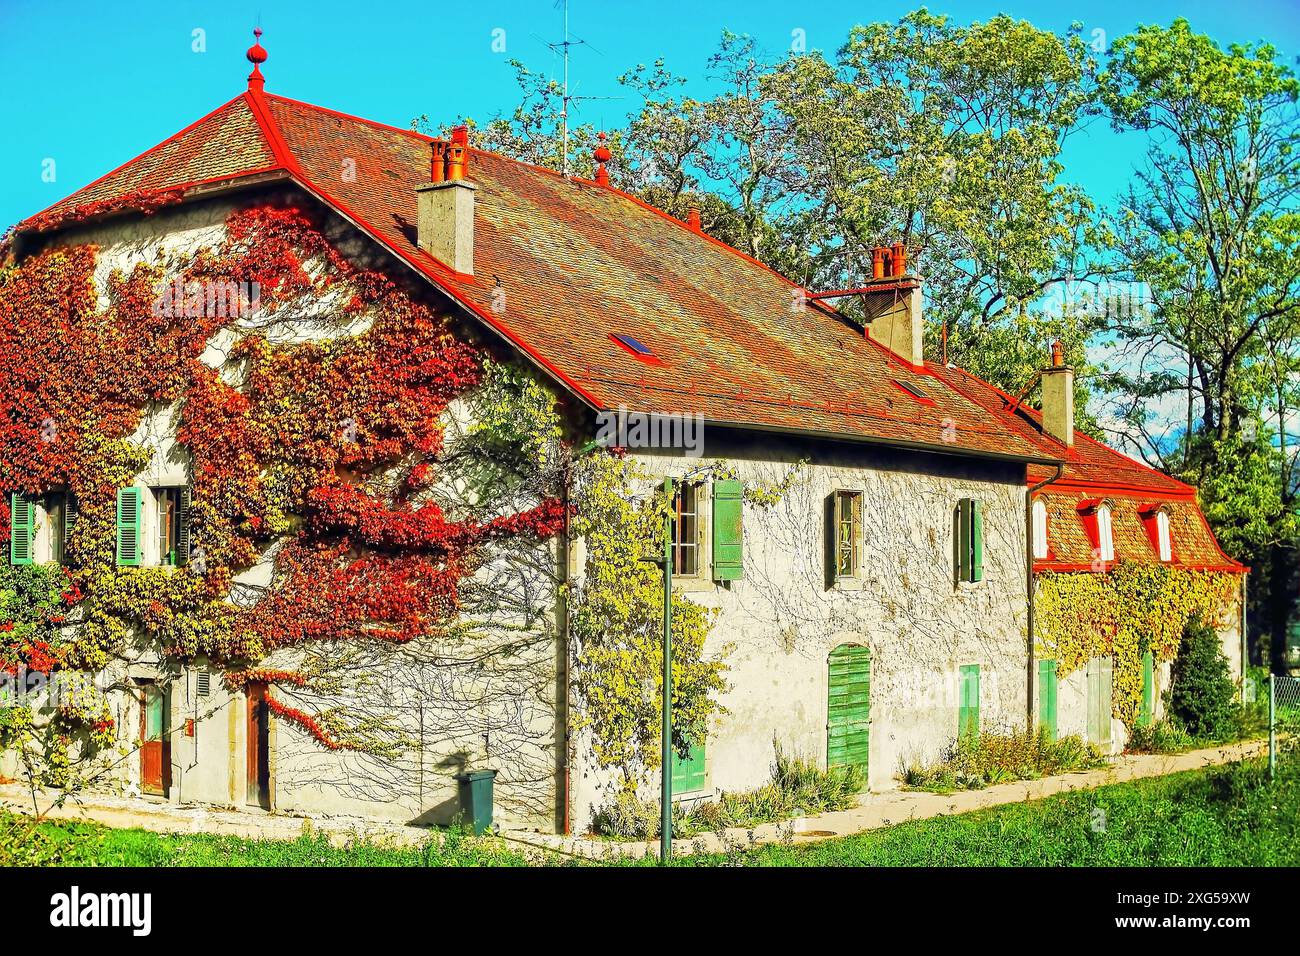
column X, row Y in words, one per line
column 666, row 790
column 1272, row 726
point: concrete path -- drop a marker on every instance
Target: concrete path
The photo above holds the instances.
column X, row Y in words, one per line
column 875, row 810
column 872, row 811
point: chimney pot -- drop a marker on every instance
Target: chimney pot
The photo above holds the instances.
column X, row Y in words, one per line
column 1058, row 354
column 898, row 259
column 693, row 218
column 877, row 263
column 438, row 168
column 458, row 153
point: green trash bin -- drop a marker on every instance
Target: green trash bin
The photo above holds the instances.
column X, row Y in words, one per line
column 476, row 799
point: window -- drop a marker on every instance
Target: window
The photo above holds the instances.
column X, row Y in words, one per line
column 637, row 349
column 686, row 528
column 1040, row 529
column 1105, row 538
column 1165, row 544
column 969, row 540
column 848, row 533
column 914, row 391
column 61, row 514
column 172, row 525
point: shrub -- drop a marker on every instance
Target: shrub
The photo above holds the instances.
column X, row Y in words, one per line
column 971, row 764
column 1162, row 737
column 1202, row 696
column 798, row 788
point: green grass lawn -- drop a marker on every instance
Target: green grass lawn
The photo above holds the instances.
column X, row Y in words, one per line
column 1226, row 816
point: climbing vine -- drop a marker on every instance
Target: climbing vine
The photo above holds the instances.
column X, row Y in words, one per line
column 317, row 458
column 1124, row 613
column 618, row 626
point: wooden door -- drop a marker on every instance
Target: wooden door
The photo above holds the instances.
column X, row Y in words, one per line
column 259, row 748
column 848, row 707
column 155, row 747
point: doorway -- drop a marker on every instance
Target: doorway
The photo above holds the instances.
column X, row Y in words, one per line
column 155, row 745
column 259, row 748
column 848, row 707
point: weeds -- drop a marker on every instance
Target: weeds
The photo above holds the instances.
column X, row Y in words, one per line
column 972, row 764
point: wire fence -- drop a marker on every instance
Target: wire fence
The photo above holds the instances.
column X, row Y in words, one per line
column 1283, row 713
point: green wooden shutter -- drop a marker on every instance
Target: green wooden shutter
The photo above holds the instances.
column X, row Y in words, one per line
column 831, row 540
column 1047, row 698
column 1147, row 712
column 71, row 513
column 728, row 530
column 183, row 526
column 976, row 541
column 963, row 539
column 128, row 526
column 22, row 528
column 848, row 708
column 968, row 714
column 1099, row 700
column 689, row 774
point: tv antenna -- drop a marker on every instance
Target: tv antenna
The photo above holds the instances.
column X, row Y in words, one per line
column 562, row 47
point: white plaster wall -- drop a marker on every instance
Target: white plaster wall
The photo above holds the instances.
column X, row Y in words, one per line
column 782, row 622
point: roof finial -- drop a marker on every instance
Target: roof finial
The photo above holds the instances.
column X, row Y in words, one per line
column 603, row 155
column 256, row 55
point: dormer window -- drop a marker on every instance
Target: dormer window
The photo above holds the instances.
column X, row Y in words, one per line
column 1165, row 545
column 1040, row 529
column 1155, row 518
column 1105, row 537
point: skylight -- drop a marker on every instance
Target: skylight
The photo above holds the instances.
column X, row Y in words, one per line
column 637, row 349
column 914, row 391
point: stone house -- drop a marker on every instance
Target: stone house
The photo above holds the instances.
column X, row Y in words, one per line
column 877, row 609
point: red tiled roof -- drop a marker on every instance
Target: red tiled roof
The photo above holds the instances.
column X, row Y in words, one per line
column 1092, row 470
column 578, row 261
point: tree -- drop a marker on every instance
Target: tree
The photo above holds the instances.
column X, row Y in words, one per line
column 1211, row 226
column 948, row 138
column 1201, row 694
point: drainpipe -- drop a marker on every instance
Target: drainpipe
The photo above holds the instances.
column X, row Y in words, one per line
column 566, row 560
column 1029, row 588
column 1244, row 577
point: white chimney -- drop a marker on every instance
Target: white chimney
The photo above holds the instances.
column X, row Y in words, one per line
column 897, row 324
column 1058, row 398
column 445, row 217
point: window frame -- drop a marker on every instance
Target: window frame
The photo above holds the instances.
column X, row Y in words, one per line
column 1164, row 536
column 700, row 518
column 854, row 497
column 1038, row 531
column 1105, row 533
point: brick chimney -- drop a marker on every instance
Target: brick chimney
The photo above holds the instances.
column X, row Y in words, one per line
column 897, row 321
column 1058, row 398
column 445, row 219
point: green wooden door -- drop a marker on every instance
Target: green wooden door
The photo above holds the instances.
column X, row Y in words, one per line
column 848, row 709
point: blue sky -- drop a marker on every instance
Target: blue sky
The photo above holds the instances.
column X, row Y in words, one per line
column 94, row 83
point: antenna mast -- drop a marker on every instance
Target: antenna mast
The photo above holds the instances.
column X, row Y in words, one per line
column 563, row 48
